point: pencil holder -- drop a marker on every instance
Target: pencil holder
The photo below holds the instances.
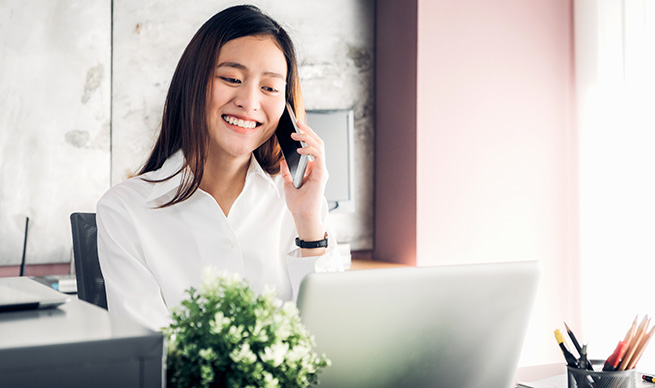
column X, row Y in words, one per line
column 582, row 378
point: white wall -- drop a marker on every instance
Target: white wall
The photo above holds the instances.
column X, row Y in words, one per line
column 615, row 62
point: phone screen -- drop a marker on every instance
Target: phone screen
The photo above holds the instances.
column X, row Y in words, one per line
column 295, row 161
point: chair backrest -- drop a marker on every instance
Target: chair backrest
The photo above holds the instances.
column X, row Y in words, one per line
column 90, row 283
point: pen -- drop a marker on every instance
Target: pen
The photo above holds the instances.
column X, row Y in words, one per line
column 573, row 339
column 650, row 379
column 584, row 361
column 570, row 358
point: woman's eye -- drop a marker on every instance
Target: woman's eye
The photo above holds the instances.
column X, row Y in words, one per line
column 269, row 89
column 231, row 80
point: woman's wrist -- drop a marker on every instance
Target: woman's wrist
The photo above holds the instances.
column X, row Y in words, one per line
column 310, row 228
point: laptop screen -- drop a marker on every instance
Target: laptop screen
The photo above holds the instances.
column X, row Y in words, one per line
column 448, row 326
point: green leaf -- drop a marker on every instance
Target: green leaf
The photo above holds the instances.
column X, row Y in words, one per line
column 199, row 346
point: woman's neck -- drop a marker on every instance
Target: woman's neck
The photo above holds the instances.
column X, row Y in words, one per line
column 224, row 179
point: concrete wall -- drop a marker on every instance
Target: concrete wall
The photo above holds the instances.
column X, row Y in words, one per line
column 58, row 62
column 55, row 70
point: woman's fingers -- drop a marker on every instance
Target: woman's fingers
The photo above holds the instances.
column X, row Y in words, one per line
column 284, row 171
column 314, row 146
column 308, row 136
column 304, row 128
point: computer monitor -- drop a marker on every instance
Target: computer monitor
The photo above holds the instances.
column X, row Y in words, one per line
column 336, row 128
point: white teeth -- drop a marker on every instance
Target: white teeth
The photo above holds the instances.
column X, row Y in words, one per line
column 240, row 122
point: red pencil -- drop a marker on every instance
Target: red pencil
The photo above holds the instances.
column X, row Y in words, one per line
column 613, row 360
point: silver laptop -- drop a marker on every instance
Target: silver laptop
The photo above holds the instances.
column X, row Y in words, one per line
column 448, row 326
column 22, row 293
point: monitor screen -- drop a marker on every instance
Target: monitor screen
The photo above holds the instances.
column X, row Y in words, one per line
column 336, row 127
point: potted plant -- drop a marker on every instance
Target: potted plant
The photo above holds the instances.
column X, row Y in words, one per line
column 224, row 335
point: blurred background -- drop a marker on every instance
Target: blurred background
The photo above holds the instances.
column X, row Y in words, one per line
column 483, row 131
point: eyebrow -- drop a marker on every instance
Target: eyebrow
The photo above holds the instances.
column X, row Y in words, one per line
column 239, row 66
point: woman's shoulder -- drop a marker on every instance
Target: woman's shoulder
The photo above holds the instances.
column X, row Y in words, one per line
column 141, row 190
column 132, row 191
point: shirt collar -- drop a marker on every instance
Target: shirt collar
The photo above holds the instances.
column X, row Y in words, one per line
column 256, row 170
column 174, row 164
column 171, row 166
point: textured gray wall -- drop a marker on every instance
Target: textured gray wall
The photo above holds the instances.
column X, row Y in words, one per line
column 56, row 60
column 54, row 121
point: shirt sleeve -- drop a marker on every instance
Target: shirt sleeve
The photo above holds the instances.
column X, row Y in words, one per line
column 298, row 266
column 132, row 290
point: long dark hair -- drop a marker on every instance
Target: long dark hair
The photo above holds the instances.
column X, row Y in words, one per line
column 184, row 122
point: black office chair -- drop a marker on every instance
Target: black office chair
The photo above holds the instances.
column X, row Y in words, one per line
column 90, row 283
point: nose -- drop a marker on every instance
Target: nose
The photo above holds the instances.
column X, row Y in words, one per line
column 247, row 97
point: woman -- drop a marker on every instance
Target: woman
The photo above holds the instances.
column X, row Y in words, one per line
column 215, row 191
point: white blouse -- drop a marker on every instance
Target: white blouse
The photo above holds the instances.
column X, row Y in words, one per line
column 150, row 256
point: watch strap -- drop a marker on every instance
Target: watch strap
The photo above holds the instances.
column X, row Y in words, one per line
column 312, row 244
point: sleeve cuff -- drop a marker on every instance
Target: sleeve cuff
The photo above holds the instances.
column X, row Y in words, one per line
column 299, row 266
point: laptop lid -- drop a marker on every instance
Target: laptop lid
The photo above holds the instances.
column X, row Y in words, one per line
column 22, row 293
column 447, row 326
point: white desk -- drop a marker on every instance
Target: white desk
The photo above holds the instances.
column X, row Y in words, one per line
column 77, row 345
column 538, row 372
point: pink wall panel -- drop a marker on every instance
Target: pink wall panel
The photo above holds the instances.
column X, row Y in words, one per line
column 495, row 145
column 494, row 95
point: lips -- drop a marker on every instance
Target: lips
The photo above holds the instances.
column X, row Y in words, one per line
column 241, row 123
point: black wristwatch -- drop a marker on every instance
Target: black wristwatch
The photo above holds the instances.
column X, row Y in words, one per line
column 313, row 244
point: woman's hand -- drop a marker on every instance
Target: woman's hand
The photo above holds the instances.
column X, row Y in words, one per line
column 305, row 203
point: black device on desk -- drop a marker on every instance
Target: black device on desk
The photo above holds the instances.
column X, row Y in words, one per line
column 77, row 345
column 21, row 293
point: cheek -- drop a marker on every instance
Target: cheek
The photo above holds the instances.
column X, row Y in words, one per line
column 215, row 99
column 275, row 110
column 269, row 133
column 274, row 113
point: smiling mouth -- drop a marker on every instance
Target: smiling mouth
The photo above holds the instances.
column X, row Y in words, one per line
column 246, row 124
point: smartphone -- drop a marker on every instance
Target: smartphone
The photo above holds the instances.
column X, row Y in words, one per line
column 296, row 162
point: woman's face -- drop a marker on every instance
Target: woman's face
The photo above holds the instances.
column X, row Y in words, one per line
column 247, row 95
